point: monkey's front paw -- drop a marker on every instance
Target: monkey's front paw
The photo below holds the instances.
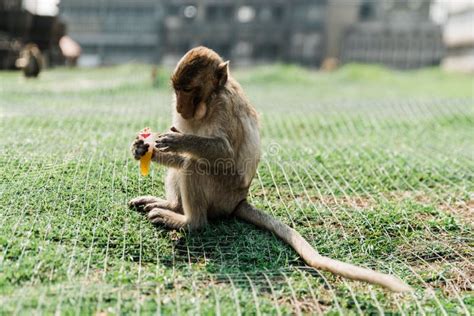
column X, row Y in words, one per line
column 169, row 142
column 139, row 148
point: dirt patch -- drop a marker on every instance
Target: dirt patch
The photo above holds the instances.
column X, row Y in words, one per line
column 461, row 280
column 461, row 209
column 305, row 305
column 326, row 200
column 335, row 201
column 417, row 196
column 352, row 201
column 452, row 279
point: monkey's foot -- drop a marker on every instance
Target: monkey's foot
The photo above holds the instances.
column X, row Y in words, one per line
column 140, row 202
column 167, row 218
column 163, row 204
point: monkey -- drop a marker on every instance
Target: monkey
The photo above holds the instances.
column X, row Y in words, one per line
column 212, row 152
column 30, row 60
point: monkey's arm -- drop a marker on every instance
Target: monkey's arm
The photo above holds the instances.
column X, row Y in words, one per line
column 209, row 148
column 171, row 160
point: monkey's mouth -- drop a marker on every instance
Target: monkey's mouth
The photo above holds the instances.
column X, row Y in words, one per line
column 192, row 111
column 188, row 112
column 187, row 115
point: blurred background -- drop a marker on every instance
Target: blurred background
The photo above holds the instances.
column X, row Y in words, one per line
column 401, row 34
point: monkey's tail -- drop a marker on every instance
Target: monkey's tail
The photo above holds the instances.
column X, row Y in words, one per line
column 254, row 216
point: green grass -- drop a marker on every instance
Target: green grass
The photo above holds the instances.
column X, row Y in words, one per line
column 373, row 166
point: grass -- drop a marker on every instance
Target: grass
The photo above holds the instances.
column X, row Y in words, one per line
column 373, row 166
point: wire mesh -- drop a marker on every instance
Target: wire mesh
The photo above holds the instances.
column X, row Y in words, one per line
column 386, row 184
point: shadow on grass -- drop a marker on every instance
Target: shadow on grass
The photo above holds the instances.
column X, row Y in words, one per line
column 231, row 251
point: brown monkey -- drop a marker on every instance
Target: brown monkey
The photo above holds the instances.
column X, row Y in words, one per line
column 30, row 60
column 213, row 150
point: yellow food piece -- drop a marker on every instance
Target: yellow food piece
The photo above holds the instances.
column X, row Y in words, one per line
column 145, row 163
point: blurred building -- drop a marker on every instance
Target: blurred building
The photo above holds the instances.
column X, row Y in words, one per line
column 247, row 31
column 115, row 31
column 397, row 33
column 459, row 36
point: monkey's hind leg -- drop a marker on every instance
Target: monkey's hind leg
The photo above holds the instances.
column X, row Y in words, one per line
column 167, row 218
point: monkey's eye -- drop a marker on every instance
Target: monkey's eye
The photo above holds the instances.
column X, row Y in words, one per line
column 187, row 90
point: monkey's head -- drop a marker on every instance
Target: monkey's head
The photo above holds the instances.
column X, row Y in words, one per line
column 198, row 74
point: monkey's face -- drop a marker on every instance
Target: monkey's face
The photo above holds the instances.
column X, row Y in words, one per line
column 188, row 99
column 198, row 74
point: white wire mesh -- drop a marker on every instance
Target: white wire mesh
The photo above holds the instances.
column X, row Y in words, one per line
column 385, row 184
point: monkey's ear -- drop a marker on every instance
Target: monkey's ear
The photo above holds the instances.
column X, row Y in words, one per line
column 222, row 73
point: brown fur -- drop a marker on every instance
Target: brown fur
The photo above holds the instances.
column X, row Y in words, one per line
column 213, row 150
column 30, row 61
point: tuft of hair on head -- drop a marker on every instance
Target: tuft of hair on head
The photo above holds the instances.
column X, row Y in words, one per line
column 194, row 61
column 203, row 53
